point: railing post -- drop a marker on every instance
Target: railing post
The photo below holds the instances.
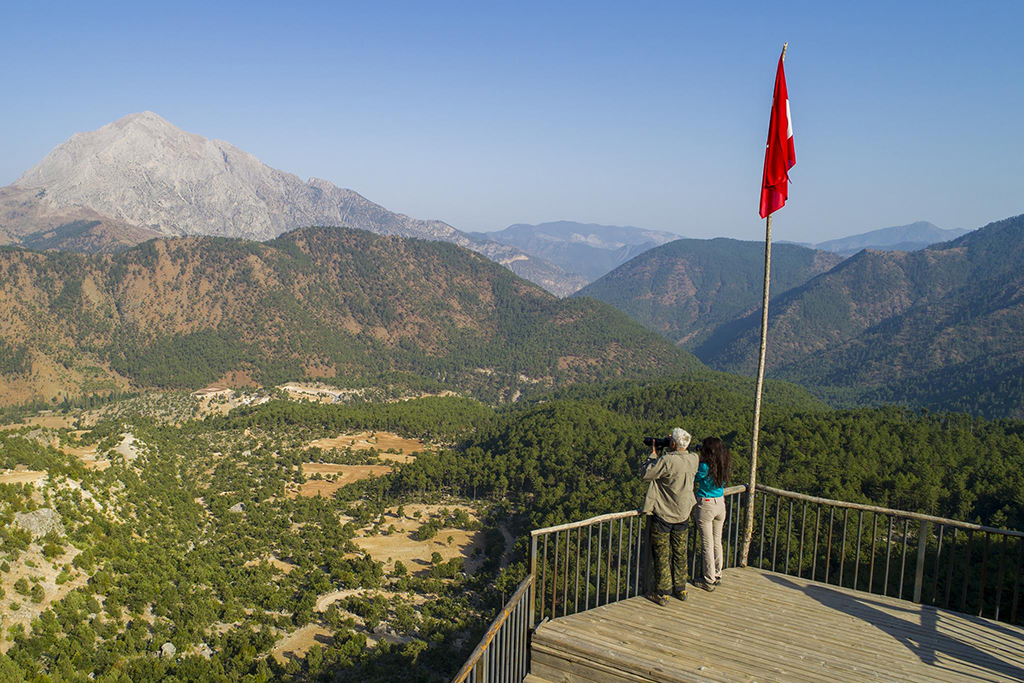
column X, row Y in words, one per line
column 533, row 581
column 922, row 544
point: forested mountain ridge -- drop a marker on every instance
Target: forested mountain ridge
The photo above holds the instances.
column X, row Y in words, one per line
column 688, row 288
column 325, row 303
column 938, row 327
column 141, row 175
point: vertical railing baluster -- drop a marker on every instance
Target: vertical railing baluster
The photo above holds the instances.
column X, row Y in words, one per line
column 949, row 570
column 639, row 552
column 1000, row 576
column 533, row 580
column 789, row 533
column 608, row 573
column 938, row 560
column 842, row 547
column 524, row 644
column 499, row 655
column 874, row 551
column 597, row 589
column 629, row 556
column 775, row 536
column 618, row 570
column 512, row 641
column 803, row 527
column 903, row 562
column 544, row 578
column 817, row 531
column 856, row 562
column 576, row 596
column 727, row 532
column 590, row 537
column 520, row 649
column 888, row 555
column 554, row 582
column 828, row 546
column 764, row 510
column 984, row 571
column 738, row 508
column 967, row 570
column 1016, row 582
column 565, row 580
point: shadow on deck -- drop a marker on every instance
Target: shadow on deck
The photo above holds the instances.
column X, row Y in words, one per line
column 762, row 626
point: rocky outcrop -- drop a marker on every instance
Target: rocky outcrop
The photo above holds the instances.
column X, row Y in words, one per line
column 39, row 522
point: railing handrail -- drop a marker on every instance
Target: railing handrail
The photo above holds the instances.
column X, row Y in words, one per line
column 903, row 514
column 478, row 652
column 611, row 516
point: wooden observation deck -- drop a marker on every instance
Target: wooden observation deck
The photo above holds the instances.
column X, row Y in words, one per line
column 835, row 591
column 764, row 626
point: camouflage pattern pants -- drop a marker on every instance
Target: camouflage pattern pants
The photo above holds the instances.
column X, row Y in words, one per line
column 668, row 547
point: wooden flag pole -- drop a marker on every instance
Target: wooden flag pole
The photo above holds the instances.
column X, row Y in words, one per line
column 748, row 530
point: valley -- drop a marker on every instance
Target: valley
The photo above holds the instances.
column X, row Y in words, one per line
column 291, row 538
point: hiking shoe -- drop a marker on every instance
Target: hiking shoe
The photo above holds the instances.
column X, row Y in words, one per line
column 658, row 600
column 718, row 582
column 704, row 585
column 679, row 595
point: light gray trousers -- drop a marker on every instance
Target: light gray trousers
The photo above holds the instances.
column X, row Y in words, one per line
column 710, row 518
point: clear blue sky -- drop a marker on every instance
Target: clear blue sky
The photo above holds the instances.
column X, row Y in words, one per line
column 485, row 114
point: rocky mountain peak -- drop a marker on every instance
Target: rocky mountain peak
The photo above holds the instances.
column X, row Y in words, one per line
column 146, row 174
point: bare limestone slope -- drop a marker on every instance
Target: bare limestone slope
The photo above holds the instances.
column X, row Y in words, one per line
column 146, row 173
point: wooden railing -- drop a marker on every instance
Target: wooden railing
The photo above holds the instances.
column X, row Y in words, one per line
column 950, row 563
column 582, row 565
column 596, row 561
column 503, row 653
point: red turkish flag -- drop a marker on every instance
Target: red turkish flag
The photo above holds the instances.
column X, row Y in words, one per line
column 779, row 156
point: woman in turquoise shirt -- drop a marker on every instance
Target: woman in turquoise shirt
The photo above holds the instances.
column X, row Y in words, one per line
column 709, row 487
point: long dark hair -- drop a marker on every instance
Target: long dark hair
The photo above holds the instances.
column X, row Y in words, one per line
column 718, row 458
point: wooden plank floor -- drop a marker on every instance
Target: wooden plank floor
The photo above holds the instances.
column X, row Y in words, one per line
column 761, row 626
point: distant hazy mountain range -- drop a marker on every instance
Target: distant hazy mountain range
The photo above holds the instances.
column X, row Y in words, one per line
column 938, row 327
column 897, row 238
column 315, row 303
column 588, row 249
column 140, row 176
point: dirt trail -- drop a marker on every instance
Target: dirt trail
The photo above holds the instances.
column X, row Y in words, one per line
column 506, row 556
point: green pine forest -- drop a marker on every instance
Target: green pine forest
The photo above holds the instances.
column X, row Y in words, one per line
column 161, row 557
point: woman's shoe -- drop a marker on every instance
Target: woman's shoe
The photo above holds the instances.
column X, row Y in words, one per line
column 679, row 595
column 658, row 600
column 704, row 585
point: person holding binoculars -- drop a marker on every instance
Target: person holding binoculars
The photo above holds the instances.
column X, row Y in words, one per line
column 669, row 501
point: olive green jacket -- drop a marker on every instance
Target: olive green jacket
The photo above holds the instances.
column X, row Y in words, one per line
column 670, row 494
